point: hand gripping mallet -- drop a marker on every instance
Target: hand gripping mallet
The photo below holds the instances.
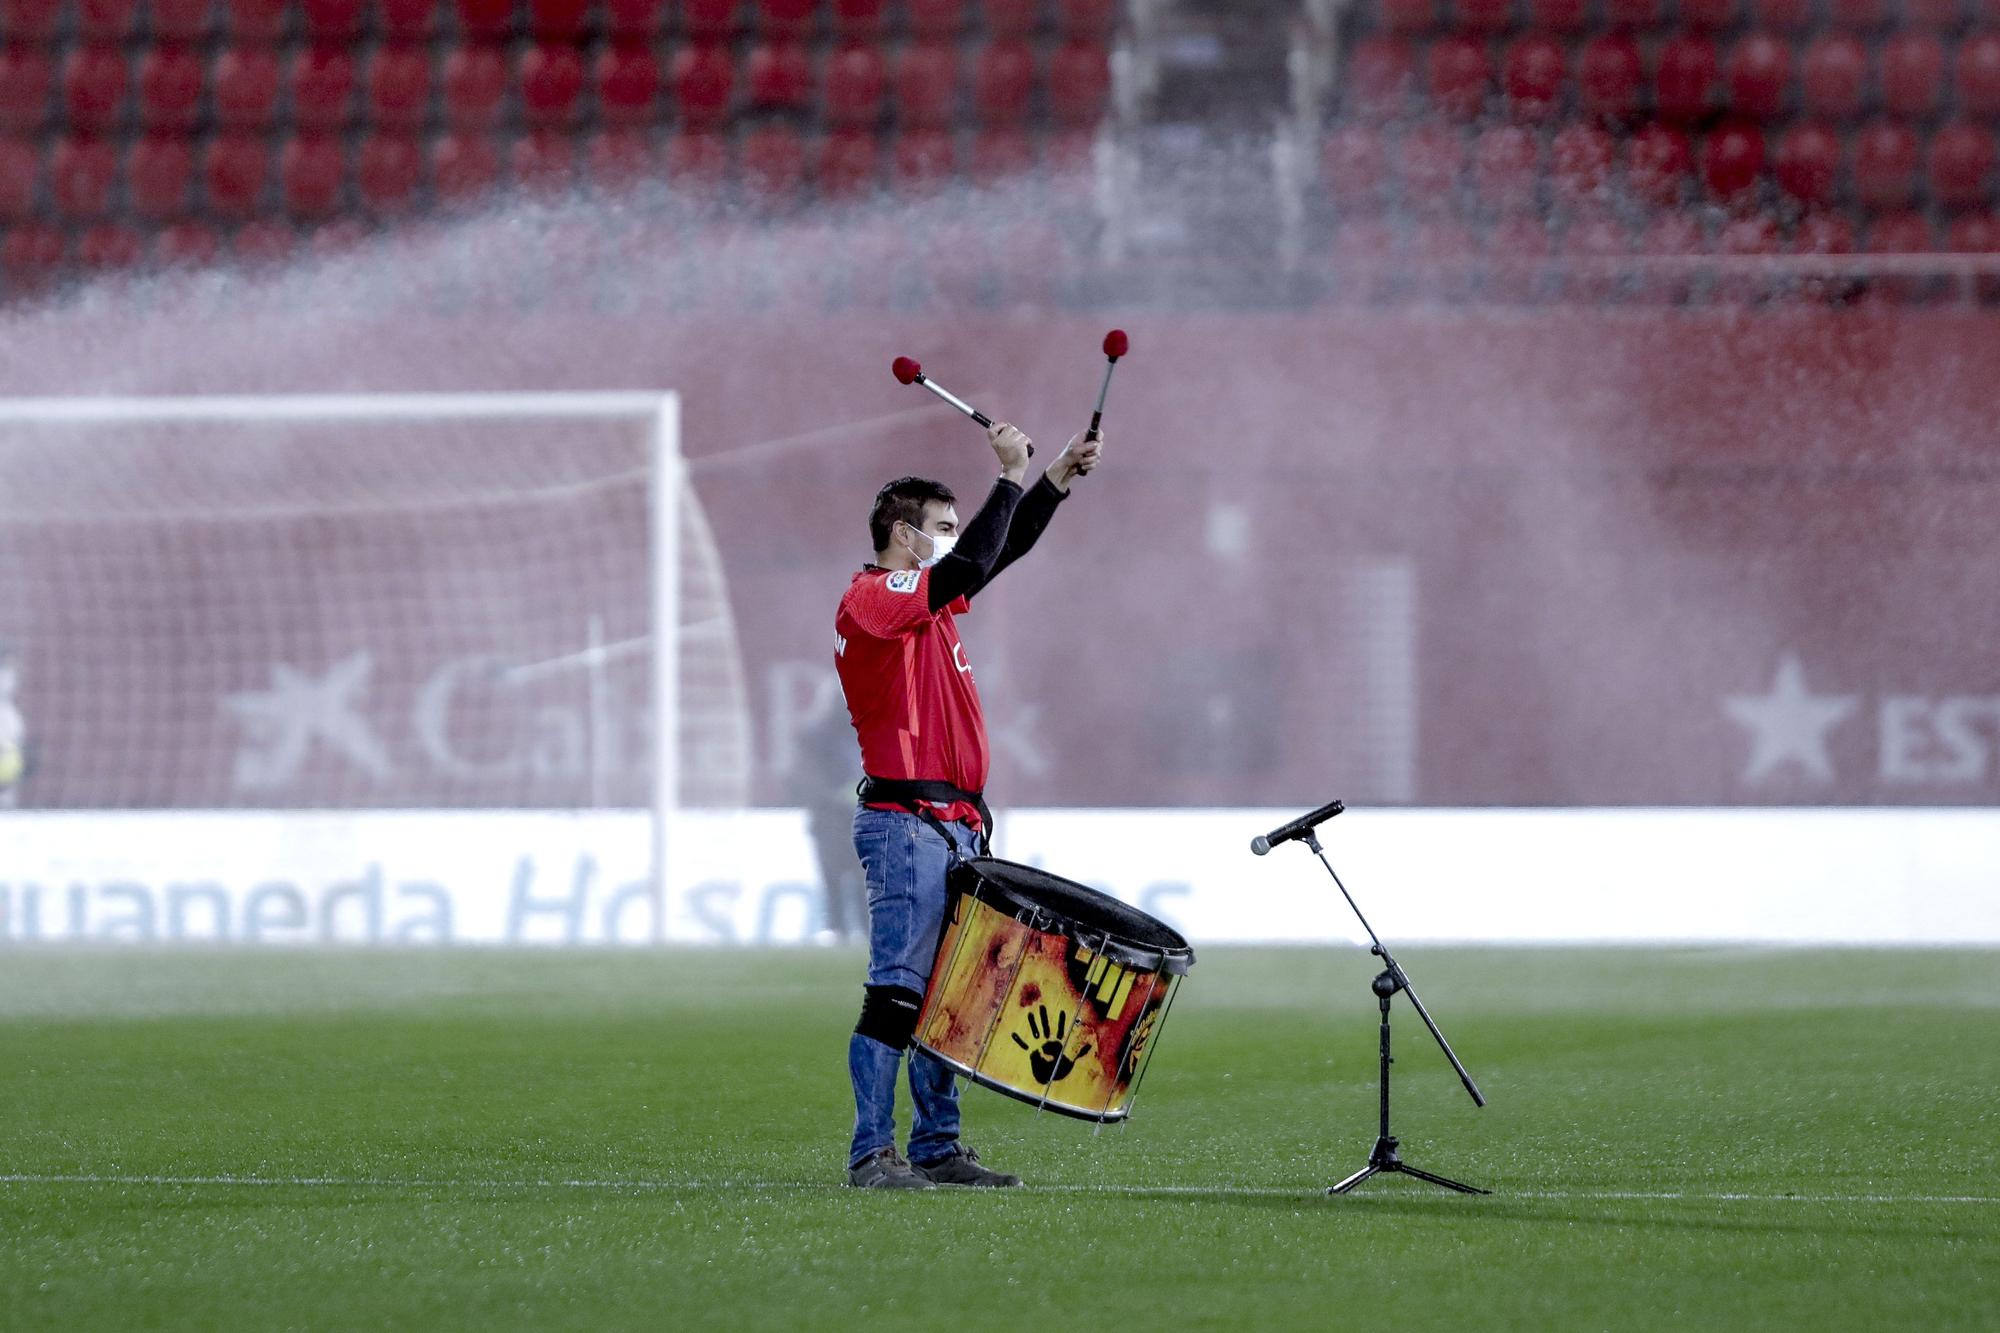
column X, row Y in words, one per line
column 907, row 371
column 1116, row 344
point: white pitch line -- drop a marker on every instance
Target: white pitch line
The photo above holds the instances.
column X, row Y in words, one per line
column 757, row 1186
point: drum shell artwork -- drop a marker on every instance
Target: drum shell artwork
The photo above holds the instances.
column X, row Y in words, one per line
column 1047, row 1009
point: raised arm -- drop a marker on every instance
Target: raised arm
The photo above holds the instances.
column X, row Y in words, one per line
column 980, row 541
column 1038, row 506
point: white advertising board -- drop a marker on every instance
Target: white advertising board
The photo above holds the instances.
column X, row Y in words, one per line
column 426, row 878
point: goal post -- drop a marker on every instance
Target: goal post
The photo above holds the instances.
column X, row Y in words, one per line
column 212, row 478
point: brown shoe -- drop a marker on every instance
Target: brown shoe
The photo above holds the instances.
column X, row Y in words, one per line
column 963, row 1168
column 885, row 1169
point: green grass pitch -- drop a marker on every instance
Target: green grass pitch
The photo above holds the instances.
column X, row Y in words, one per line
column 1704, row 1139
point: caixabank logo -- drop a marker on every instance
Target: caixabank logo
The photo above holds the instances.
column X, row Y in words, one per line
column 1801, row 735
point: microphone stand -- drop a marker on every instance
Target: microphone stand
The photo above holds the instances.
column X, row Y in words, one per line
column 1391, row 979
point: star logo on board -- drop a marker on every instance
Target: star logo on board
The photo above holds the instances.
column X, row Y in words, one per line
column 282, row 724
column 1788, row 727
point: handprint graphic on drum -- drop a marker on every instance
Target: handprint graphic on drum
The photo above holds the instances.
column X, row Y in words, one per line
column 1047, row 1060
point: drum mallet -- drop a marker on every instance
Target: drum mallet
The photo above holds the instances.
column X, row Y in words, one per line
column 1116, row 344
column 908, row 371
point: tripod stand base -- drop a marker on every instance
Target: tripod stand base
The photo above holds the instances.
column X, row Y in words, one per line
column 1384, row 1158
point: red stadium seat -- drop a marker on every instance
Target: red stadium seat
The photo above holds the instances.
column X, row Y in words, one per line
column 310, row 172
column 552, row 81
column 30, row 21
column 1791, row 17
column 1009, row 18
column 1431, row 160
column 1354, row 164
column 1808, row 163
column 1823, row 234
column 543, row 160
column 1595, row 234
column 1912, row 75
column 187, row 245
column 634, row 20
column 1609, row 76
column 1531, row 77
column 1658, row 165
column 1000, row 155
column 246, row 81
column 1485, row 18
column 1961, row 165
column 779, row 75
column 485, row 20
column 711, row 20
column 464, row 165
column 1091, row 20
column 1506, row 163
column 1003, row 83
column 1732, row 162
column 31, row 256
column 170, row 86
column 1858, row 15
column 82, row 173
column 322, row 80
column 1902, row 233
column 1672, row 233
column 255, row 20
column 1580, row 158
column 855, row 79
column 1685, row 80
column 1973, row 234
column 268, row 241
column 330, row 240
column 628, row 85
column 475, row 86
column 1079, row 84
column 26, row 77
column 235, row 171
column 773, row 165
column 616, row 159
column 406, row 20
column 1747, row 235
column 849, row 164
column 1565, row 18
column 1757, row 77
column 106, row 20
column 95, row 84
column 935, row 19
column 1885, row 165
column 20, row 178
column 159, row 176
column 858, row 19
column 921, row 159
column 331, row 20
column 703, row 78
column 1380, row 77
column 110, row 246
column 1708, row 16
column 1623, row 15
column 1934, row 15
column 790, row 20
column 1832, row 77
column 1409, row 17
column 1457, row 76
column 1976, row 75
column 557, row 20
column 924, row 80
column 1516, row 251
column 697, row 162
column 180, row 20
column 397, row 86
column 388, row 173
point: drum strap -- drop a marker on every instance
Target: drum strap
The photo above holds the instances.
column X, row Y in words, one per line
column 912, row 793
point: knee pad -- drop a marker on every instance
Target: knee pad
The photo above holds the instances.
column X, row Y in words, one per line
column 889, row 1015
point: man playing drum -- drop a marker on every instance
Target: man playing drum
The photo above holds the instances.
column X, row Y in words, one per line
column 915, row 708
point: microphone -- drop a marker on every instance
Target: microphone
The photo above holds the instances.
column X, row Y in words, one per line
column 1298, row 828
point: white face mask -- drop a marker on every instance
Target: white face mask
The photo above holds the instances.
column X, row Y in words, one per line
column 941, row 544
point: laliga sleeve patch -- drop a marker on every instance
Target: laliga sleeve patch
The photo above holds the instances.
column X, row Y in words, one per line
column 903, row 580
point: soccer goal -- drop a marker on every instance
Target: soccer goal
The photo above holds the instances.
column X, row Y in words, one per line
column 368, row 602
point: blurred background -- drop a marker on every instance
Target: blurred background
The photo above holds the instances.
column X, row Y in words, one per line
column 1579, row 408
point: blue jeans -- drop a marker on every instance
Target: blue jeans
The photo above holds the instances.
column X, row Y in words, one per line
column 905, row 861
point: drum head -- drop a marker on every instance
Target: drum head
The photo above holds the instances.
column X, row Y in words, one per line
column 1129, row 935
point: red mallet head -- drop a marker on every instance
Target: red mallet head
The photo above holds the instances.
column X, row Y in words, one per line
column 906, row 370
column 1116, row 344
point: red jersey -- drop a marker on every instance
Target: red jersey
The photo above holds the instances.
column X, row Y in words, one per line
column 908, row 684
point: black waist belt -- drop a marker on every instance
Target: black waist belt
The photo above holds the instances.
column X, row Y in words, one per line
column 911, row 793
